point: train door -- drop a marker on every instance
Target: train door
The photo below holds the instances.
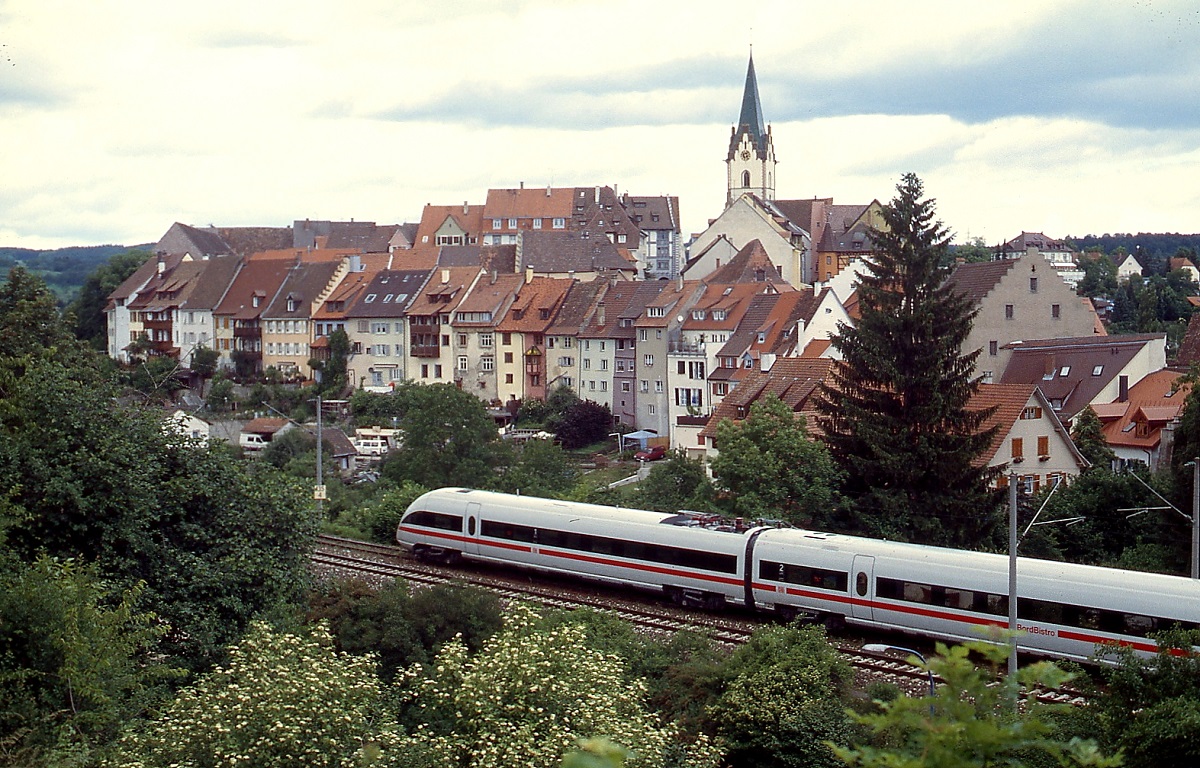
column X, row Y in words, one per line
column 862, row 587
column 471, row 545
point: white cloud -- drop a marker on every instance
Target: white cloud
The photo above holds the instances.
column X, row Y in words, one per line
column 1070, row 117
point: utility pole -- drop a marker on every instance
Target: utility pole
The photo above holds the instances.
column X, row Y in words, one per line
column 1012, row 576
column 1196, row 518
column 319, row 491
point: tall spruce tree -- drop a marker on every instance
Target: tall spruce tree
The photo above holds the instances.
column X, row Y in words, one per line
column 896, row 415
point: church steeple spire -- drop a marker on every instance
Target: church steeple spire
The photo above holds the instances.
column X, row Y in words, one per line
column 751, row 118
column 750, row 163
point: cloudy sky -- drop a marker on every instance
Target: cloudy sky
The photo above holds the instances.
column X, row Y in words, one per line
column 118, row 118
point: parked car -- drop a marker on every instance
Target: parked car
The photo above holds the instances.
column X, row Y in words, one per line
column 653, row 453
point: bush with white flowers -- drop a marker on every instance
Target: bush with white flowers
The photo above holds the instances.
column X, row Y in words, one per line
column 526, row 698
column 282, row 700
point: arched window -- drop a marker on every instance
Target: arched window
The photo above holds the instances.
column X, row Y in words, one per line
column 745, row 178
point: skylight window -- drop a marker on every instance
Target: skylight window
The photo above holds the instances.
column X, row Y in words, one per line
column 1065, row 371
column 387, row 299
column 370, row 298
column 1099, row 369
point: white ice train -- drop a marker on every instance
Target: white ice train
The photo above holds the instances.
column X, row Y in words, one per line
column 1064, row 610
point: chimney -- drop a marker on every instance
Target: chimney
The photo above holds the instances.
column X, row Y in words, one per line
column 1122, row 389
column 547, row 190
column 162, row 265
column 528, row 273
column 679, row 283
column 466, row 207
column 522, row 185
column 445, row 276
column 597, row 195
column 600, row 314
column 493, row 277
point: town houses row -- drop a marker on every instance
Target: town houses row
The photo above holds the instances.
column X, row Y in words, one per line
column 672, row 356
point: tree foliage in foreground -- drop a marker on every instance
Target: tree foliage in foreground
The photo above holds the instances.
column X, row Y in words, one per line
column 896, row 416
column 283, row 700
column 783, row 701
column 972, row 721
column 526, row 698
column 76, row 662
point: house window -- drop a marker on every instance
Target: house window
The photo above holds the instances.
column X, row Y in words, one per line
column 993, row 348
column 506, row 339
column 508, row 378
column 650, row 409
column 364, row 326
column 720, row 388
column 487, row 363
column 1055, row 311
column 643, row 335
column 1033, row 285
column 485, row 340
column 437, row 371
column 1018, row 448
column 424, row 371
column 508, row 357
column 648, row 360
column 512, row 223
column 658, row 386
column 496, row 223
column 567, row 342
column 621, row 237
column 643, row 386
column 656, row 311
column 462, row 339
column 587, row 363
column 1032, row 412
column 380, row 327
column 1043, row 445
column 559, row 222
column 604, row 365
column 462, row 362
column 537, row 223
column 1008, row 311
column 603, row 386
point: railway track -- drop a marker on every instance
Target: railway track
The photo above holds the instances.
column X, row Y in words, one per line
column 384, row 562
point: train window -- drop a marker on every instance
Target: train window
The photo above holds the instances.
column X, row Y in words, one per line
column 508, row 531
column 1138, row 625
column 1040, row 610
column 962, row 599
column 426, row 519
column 637, row 550
column 860, row 584
column 818, row 578
column 471, row 526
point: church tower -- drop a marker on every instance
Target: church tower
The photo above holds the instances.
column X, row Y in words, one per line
column 750, row 164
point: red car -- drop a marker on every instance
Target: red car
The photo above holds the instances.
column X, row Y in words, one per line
column 653, row 453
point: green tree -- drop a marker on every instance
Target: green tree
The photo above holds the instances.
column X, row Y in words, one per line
column 88, row 307
column 676, row 483
column 972, row 252
column 30, row 325
column 283, row 700
column 773, row 468
column 204, row 364
column 1089, row 439
column 402, row 626
column 784, row 700
column 215, row 542
column 584, row 423
column 896, row 416
column 1099, row 277
column 220, row 396
column 76, row 660
column 447, row 439
column 334, row 372
column 541, row 469
column 971, row 721
column 1149, row 709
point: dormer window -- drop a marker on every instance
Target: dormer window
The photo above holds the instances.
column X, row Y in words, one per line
column 292, row 305
column 719, row 314
column 656, row 312
column 698, row 314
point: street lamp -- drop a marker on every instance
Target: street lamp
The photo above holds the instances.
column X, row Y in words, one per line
column 884, row 648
